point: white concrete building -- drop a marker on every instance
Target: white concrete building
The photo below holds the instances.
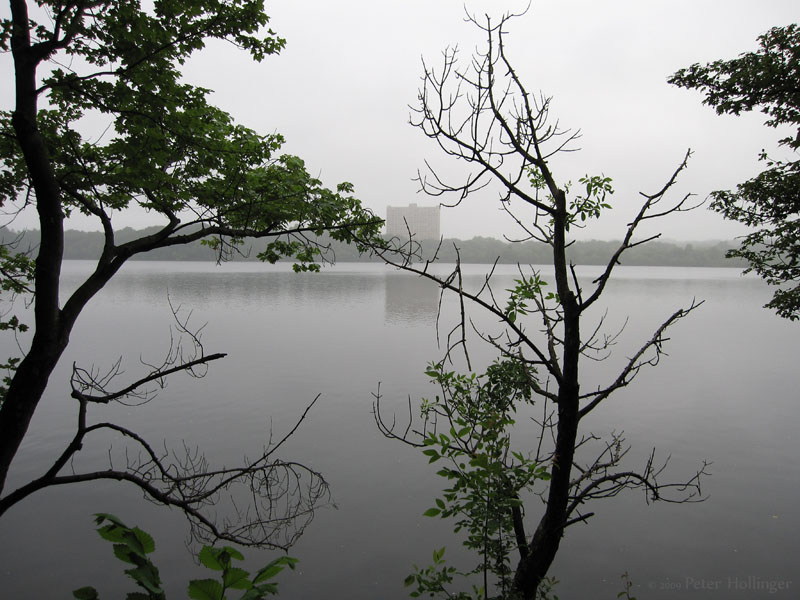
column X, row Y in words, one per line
column 423, row 221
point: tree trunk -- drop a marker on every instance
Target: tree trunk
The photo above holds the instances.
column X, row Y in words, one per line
column 547, row 537
column 50, row 337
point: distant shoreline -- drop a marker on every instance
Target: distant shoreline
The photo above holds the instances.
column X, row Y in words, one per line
column 87, row 245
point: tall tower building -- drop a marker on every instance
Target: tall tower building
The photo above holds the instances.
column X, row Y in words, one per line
column 422, row 221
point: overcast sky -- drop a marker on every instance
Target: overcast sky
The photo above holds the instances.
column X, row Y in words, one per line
column 340, row 94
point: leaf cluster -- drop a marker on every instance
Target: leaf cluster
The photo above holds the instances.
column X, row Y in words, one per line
column 527, row 289
column 16, row 273
column 764, row 80
column 165, row 147
column 436, row 577
column 771, row 202
column 586, row 205
column 132, row 545
column 485, row 477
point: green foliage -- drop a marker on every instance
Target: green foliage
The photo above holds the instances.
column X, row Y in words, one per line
column 10, row 324
column 527, row 289
column 536, row 178
column 16, row 272
column 485, row 476
column 764, row 80
column 167, row 149
column 132, row 545
column 760, row 80
column 133, row 58
column 588, row 206
column 434, row 579
column 104, row 120
column 545, row 591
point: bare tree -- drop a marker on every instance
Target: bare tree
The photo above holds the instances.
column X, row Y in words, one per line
column 482, row 115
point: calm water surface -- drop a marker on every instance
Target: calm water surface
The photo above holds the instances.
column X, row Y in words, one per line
column 727, row 393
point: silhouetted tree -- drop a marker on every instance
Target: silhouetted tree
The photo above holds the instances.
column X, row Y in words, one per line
column 481, row 114
column 80, row 64
column 764, row 80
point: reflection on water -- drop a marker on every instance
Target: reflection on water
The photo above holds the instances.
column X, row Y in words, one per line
column 410, row 299
column 726, row 392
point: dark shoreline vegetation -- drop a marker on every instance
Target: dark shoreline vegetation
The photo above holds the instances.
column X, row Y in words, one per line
column 87, row 245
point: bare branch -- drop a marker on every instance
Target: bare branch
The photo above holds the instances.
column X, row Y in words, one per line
column 643, row 214
column 637, row 361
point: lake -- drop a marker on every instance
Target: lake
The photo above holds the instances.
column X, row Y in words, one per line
column 727, row 393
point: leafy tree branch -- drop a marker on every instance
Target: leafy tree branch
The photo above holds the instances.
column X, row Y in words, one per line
column 764, row 80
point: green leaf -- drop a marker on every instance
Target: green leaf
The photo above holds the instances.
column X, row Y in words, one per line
column 267, row 573
column 100, row 517
column 145, row 539
column 269, row 588
column 147, row 577
column 209, row 557
column 113, row 533
column 431, row 512
column 433, row 453
column 85, row 593
column 205, row 589
column 237, row 579
column 233, row 552
column 124, row 553
column 256, row 593
column 275, row 567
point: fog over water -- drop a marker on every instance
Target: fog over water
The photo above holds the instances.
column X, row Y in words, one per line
column 727, row 393
column 341, row 89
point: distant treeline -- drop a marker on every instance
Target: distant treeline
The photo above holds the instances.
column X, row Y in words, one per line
column 591, row 252
column 89, row 244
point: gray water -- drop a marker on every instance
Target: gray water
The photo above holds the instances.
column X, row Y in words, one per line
column 727, row 393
